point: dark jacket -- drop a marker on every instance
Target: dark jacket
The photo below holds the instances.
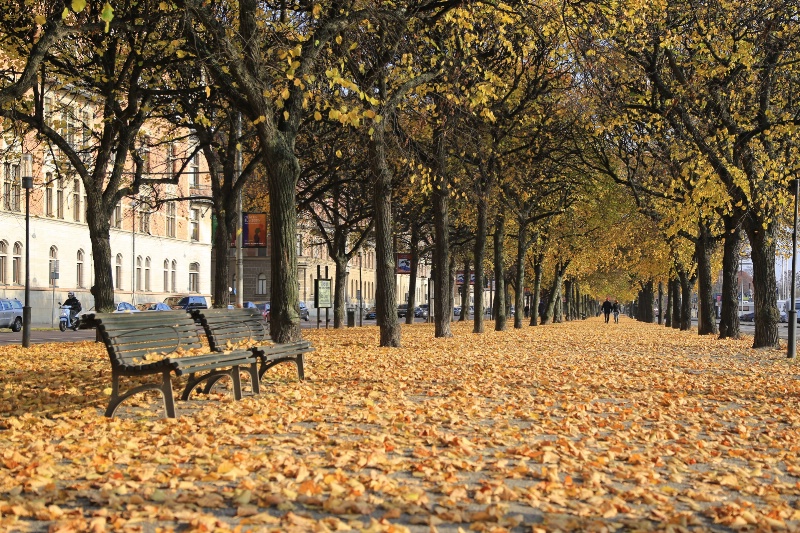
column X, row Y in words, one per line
column 606, row 307
column 74, row 304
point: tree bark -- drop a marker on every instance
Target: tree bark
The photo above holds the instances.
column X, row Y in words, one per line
column 676, row 304
column 519, row 275
column 441, row 246
column 479, row 258
column 340, row 290
column 668, row 308
column 412, row 282
column 537, row 289
column 568, row 299
column 465, row 292
column 499, row 305
column 103, row 288
column 686, row 283
column 660, row 302
column 762, row 252
column 729, row 313
column 386, row 298
column 704, row 249
column 222, row 245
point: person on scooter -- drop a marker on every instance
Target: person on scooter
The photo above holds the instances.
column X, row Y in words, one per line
column 74, row 307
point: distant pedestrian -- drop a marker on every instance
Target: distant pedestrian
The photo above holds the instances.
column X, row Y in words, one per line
column 616, row 309
column 606, row 308
column 527, row 311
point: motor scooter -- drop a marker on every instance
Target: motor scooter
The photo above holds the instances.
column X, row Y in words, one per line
column 64, row 318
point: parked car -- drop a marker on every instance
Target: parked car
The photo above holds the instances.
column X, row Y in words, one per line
column 153, row 306
column 187, row 303
column 747, row 317
column 372, row 313
column 421, row 311
column 457, row 310
column 249, row 305
column 11, row 314
column 303, row 311
column 125, row 307
column 402, row 310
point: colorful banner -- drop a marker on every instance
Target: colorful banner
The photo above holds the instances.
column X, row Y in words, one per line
column 403, row 262
column 460, row 278
column 254, row 231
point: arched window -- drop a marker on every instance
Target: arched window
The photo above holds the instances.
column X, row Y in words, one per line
column 3, row 261
column 79, row 269
column 166, row 275
column 174, row 275
column 139, row 273
column 194, row 277
column 53, row 266
column 16, row 264
column 118, row 273
column 261, row 284
column 147, row 274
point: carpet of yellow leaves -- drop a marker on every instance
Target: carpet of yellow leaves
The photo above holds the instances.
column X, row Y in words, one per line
column 577, row 426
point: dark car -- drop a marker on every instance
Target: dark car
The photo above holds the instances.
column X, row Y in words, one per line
column 402, row 310
column 421, row 311
column 371, row 313
column 747, row 317
column 187, row 303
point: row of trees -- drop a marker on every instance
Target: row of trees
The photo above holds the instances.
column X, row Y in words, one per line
column 592, row 149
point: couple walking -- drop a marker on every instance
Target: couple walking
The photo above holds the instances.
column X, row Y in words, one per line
column 608, row 307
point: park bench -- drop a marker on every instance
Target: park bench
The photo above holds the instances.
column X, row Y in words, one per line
column 136, row 343
column 234, row 326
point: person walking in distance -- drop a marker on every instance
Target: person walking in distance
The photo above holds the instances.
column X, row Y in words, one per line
column 616, row 309
column 606, row 307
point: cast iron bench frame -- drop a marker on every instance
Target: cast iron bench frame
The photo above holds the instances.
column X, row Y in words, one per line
column 241, row 325
column 129, row 336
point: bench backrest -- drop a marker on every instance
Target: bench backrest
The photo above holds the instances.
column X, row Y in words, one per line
column 223, row 326
column 129, row 336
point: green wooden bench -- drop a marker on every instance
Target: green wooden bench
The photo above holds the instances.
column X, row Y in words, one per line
column 129, row 337
column 226, row 327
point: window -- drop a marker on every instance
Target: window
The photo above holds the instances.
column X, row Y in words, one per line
column 48, row 111
column 194, row 277
column 60, row 198
column 3, row 260
column 147, row 274
column 170, row 159
column 116, row 217
column 53, row 266
column 261, row 284
column 76, row 199
column 48, row 195
column 139, row 273
column 68, row 116
column 174, row 275
column 166, row 275
column 194, row 171
column 144, row 222
column 172, row 208
column 145, row 155
column 194, row 221
column 118, row 273
column 12, row 188
column 16, row 264
column 79, row 270
column 299, row 245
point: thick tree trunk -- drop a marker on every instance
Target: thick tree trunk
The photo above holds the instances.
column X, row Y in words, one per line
column 537, row 290
column 464, row 292
column 340, row 290
column 441, row 247
column 704, row 249
column 568, row 299
column 452, row 295
column 499, row 274
column 646, row 302
column 386, row 298
column 479, row 258
column 686, row 283
column 558, row 308
column 282, row 171
column 762, row 251
column 555, row 293
column 668, row 308
column 519, row 274
column 676, row 304
column 729, row 312
column 222, row 246
column 103, row 288
column 660, row 302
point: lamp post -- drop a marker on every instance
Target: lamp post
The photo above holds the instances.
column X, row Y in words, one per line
column 26, row 169
column 791, row 345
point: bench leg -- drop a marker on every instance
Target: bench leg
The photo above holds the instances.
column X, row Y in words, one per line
column 166, row 391
column 165, row 388
column 237, row 383
column 300, row 372
column 212, row 377
column 254, row 378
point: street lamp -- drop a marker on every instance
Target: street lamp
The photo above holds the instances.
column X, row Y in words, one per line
column 26, row 169
column 360, row 292
column 791, row 348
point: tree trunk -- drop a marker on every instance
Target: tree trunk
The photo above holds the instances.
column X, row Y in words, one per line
column 660, row 302
column 558, row 308
column 729, row 312
column 676, row 304
column 555, row 292
column 479, row 258
column 568, row 299
column 386, row 298
column 762, row 252
column 519, row 275
column 499, row 274
column 282, row 171
column 222, row 246
column 340, row 290
column 646, row 302
column 537, row 290
column 441, row 246
column 668, row 308
column 704, row 249
column 452, row 294
column 103, row 288
column 465, row 292
column 686, row 283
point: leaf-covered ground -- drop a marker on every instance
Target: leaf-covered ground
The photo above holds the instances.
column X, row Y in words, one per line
column 576, row 426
